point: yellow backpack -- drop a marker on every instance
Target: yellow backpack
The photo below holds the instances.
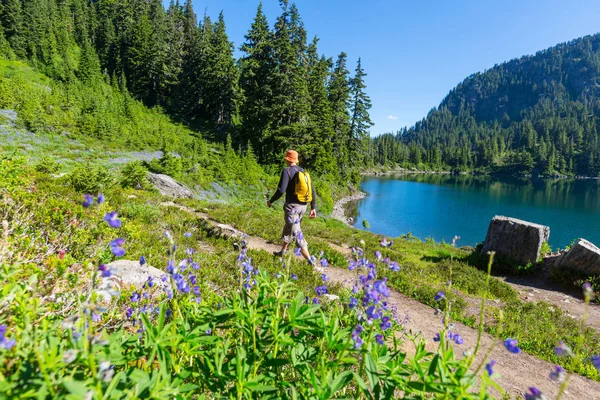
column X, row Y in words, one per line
column 303, row 187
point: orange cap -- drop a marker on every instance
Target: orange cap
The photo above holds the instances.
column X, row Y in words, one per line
column 291, row 156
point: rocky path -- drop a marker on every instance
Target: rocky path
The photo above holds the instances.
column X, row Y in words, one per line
column 515, row 372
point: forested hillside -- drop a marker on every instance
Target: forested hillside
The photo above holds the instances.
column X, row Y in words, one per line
column 536, row 114
column 281, row 93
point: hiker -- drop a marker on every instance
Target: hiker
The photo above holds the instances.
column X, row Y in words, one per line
column 299, row 191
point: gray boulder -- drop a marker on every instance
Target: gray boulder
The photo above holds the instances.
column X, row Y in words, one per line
column 515, row 240
column 583, row 257
column 127, row 273
column 168, row 186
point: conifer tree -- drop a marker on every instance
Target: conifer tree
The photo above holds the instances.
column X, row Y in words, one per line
column 13, row 23
column 255, row 82
column 361, row 121
column 339, row 98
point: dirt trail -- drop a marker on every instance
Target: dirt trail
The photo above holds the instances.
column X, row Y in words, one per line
column 515, row 372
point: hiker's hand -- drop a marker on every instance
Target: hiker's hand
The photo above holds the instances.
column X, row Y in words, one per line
column 268, row 204
column 313, row 213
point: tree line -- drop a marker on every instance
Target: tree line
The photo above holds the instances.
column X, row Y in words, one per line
column 537, row 114
column 281, row 93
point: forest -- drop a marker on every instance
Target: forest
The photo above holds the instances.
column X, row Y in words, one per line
column 281, row 93
column 536, row 115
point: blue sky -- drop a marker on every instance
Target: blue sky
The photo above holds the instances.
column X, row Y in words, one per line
column 415, row 52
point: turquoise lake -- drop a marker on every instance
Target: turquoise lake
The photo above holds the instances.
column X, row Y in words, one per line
column 441, row 206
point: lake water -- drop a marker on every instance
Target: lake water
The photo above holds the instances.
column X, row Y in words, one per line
column 441, row 206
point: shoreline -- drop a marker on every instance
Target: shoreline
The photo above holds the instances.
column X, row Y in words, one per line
column 402, row 171
column 339, row 207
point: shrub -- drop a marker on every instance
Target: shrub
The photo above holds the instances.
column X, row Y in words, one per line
column 134, row 176
column 47, row 165
column 90, row 178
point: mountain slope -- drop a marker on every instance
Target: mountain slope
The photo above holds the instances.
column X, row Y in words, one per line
column 536, row 114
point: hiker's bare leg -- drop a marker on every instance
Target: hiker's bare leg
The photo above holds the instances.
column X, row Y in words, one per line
column 305, row 253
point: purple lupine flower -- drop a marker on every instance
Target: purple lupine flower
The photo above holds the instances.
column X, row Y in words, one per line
column 164, row 277
column 294, row 277
column 563, row 349
column 353, row 302
column 182, row 286
column 100, row 198
column 534, row 394
column 558, row 374
column 437, row 337
column 393, row 265
column 379, row 339
column 142, row 260
column 439, row 296
column 195, row 266
column 386, row 243
column 171, row 267
column 321, row 290
column 315, row 300
column 115, row 247
column 88, row 201
column 129, row 312
column 135, row 297
column 324, row 277
column 5, row 342
column 381, row 287
column 104, row 271
column 197, row 290
column 352, row 266
column 385, row 323
column 450, row 335
column 150, row 281
column 95, row 317
column 458, row 339
column 297, row 251
column 596, row 362
column 489, row 367
column 112, row 220
column 324, row 262
column 378, row 255
column 188, row 234
column 278, row 275
column 373, row 313
column 208, row 331
column 511, row 345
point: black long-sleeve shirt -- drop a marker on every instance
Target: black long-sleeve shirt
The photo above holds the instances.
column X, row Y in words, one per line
column 285, row 187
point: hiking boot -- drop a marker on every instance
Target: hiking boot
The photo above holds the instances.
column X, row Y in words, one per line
column 279, row 253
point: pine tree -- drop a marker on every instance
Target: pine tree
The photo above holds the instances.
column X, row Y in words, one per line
column 339, row 98
column 13, row 24
column 361, row 121
column 255, row 82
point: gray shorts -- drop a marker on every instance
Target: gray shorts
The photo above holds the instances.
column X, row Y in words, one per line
column 292, row 214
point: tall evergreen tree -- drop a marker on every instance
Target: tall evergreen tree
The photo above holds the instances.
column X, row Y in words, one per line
column 360, row 119
column 13, row 23
column 339, row 98
column 257, row 66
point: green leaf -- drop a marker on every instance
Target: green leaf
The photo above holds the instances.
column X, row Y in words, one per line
column 341, row 380
column 76, row 388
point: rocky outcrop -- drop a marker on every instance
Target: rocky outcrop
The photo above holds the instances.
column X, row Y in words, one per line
column 127, row 273
column 583, row 257
column 515, row 240
column 168, row 186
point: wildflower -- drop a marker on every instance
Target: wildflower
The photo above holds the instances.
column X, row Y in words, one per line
column 534, row 394
column 182, row 286
column 489, row 367
column 89, row 200
column 192, row 279
column 297, row 251
column 324, row 262
column 511, row 345
column 352, row 266
column 379, row 339
column 142, row 260
column 112, row 220
column 195, row 266
column 385, row 323
column 321, row 290
column 558, row 374
column 95, row 317
column 150, row 281
column 100, row 198
column 197, row 290
column 563, row 350
column 353, row 302
column 381, row 287
column 294, row 277
column 373, row 313
column 169, row 236
column 378, row 255
column 6, row 343
column 129, row 312
column 278, row 275
column 69, row 356
column 458, row 339
column 135, row 297
column 115, row 247
column 588, row 292
column 106, row 372
column 171, row 268
column 208, row 331
column 439, row 296
column 437, row 337
column 315, row 300
column 393, row 265
column 324, row 277
column 105, row 271
column 596, row 362
column 386, row 243
column 188, row 234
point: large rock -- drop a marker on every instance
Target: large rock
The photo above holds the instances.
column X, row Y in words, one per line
column 583, row 257
column 127, row 273
column 515, row 240
column 168, row 186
